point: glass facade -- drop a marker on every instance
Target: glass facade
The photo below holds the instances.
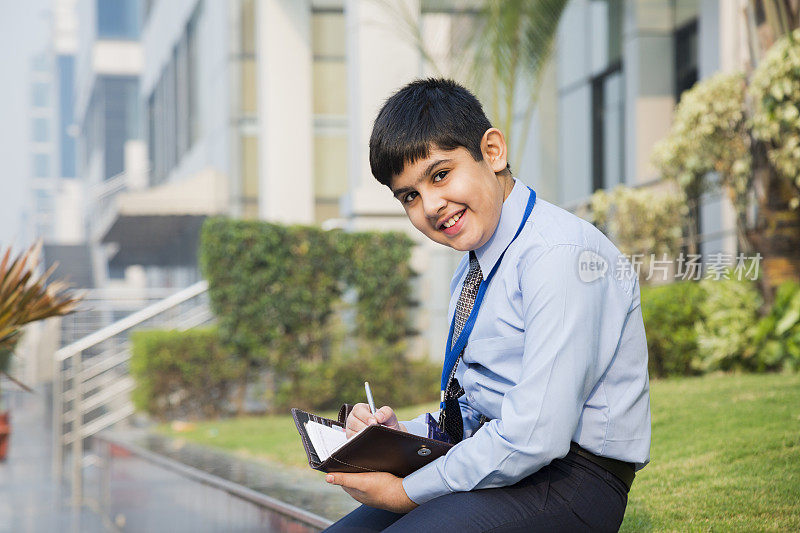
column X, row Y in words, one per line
column 608, row 98
column 172, row 114
column 112, row 118
column 118, row 19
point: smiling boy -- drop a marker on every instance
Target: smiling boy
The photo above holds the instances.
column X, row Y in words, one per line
column 545, row 390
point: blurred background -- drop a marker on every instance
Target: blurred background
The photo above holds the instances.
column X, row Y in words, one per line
column 180, row 159
column 127, row 122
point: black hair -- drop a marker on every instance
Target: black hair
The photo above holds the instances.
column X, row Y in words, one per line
column 433, row 112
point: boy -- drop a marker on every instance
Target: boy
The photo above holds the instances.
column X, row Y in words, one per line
column 545, row 387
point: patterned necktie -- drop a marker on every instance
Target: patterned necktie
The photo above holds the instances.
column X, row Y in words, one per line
column 450, row 417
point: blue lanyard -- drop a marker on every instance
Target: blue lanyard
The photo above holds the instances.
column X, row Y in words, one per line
column 452, row 353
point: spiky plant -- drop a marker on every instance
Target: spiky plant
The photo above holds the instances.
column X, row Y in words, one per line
column 26, row 297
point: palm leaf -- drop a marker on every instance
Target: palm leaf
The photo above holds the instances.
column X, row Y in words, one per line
column 26, row 296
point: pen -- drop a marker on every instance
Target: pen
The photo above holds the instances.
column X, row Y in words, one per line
column 369, row 397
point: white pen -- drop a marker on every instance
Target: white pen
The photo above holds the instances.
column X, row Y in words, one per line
column 369, row 397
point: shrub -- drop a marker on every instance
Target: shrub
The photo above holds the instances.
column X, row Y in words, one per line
column 394, row 380
column 775, row 89
column 640, row 221
column 670, row 313
column 182, row 373
column 777, row 336
column 725, row 333
column 277, row 289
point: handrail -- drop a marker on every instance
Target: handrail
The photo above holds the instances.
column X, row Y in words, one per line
column 131, row 320
column 104, row 383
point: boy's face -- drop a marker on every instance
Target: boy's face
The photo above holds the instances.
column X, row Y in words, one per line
column 453, row 199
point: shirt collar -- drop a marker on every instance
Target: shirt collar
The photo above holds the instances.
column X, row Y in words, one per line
column 510, row 217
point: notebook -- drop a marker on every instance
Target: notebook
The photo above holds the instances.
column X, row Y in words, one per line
column 374, row 449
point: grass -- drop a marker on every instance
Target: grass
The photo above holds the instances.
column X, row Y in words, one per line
column 725, row 454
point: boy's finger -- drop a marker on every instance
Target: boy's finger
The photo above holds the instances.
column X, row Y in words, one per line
column 362, row 412
column 342, row 479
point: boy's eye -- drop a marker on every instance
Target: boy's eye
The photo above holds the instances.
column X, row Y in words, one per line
column 408, row 197
column 439, row 176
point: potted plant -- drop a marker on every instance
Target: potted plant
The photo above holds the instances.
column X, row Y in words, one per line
column 25, row 297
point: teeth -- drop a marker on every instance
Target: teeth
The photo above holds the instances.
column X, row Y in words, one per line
column 452, row 220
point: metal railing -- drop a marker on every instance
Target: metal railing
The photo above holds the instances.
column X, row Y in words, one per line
column 91, row 382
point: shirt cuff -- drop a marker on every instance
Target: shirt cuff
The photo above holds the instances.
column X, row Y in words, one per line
column 426, row 483
column 418, row 428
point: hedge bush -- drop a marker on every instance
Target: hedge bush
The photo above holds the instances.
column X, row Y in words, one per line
column 670, row 313
column 777, row 336
column 394, row 380
column 694, row 328
column 725, row 333
column 277, row 289
column 182, row 374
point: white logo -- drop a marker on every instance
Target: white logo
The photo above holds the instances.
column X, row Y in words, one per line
column 591, row 266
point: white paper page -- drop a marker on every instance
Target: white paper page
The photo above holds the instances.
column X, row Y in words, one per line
column 325, row 439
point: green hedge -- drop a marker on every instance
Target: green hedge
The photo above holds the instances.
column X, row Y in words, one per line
column 777, row 335
column 278, row 292
column 694, row 328
column 728, row 314
column 670, row 313
column 182, row 374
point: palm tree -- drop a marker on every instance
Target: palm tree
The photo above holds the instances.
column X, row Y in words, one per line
column 502, row 59
column 27, row 297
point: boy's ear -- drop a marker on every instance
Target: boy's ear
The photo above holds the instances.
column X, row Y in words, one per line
column 495, row 152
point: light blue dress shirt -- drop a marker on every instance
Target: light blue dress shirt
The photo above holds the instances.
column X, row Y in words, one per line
column 558, row 354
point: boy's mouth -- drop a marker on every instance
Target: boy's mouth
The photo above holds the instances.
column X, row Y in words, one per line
column 452, row 225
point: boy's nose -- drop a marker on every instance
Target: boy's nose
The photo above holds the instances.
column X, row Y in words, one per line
column 433, row 204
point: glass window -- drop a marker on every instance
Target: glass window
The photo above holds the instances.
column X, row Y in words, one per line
column 249, row 176
column 248, row 26
column 192, row 68
column 41, row 130
column 41, row 94
column 330, row 166
column 249, row 166
column 118, row 19
column 329, row 70
column 66, row 66
column 328, row 34
column 606, row 33
column 121, row 120
column 608, row 119
column 41, row 166
column 249, row 87
column 685, row 58
column 330, row 88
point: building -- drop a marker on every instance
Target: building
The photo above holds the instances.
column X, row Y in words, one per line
column 263, row 109
column 619, row 69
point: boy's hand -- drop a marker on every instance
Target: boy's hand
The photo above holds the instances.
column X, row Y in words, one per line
column 381, row 490
column 361, row 417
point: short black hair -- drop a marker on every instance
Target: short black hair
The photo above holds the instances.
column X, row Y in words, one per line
column 433, row 112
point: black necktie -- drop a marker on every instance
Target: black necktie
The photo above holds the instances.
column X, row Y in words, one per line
column 450, row 418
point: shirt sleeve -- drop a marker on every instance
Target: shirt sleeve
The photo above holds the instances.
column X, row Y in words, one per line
column 567, row 326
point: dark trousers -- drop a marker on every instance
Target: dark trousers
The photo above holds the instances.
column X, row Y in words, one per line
column 569, row 494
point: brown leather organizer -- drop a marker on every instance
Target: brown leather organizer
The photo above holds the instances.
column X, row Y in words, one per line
column 375, row 449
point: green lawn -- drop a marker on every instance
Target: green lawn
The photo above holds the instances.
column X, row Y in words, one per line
column 725, row 453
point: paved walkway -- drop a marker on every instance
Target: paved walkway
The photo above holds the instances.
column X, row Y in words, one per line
column 30, row 499
column 141, row 496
